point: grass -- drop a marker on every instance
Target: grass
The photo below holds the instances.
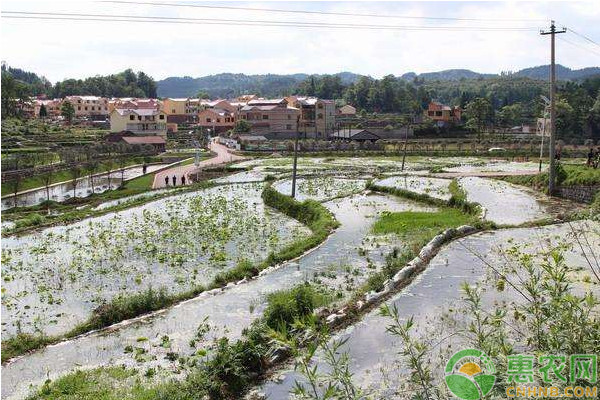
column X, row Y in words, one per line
column 417, row 228
column 574, row 175
column 416, row 223
column 109, row 383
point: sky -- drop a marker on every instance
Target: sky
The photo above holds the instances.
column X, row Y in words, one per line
column 62, row 49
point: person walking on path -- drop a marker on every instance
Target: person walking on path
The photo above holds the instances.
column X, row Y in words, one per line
column 183, row 180
column 590, row 157
column 166, row 180
column 174, row 180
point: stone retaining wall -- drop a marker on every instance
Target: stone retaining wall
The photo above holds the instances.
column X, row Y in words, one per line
column 581, row 193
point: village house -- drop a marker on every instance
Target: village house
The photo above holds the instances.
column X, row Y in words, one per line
column 346, row 111
column 141, row 121
column 92, row 107
column 181, row 111
column 52, row 107
column 218, row 120
column 357, row 135
column 443, row 114
column 271, row 117
column 133, row 103
column 317, row 117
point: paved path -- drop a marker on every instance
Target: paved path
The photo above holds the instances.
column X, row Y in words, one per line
column 223, row 156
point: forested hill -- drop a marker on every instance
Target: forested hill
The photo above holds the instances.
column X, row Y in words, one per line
column 539, row 72
column 123, row 84
column 231, row 85
column 271, row 85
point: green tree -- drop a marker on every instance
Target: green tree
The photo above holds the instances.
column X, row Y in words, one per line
column 15, row 96
column 479, row 114
column 43, row 111
column 511, row 115
column 242, row 126
column 67, row 110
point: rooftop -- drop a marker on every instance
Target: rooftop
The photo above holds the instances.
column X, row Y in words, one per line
column 144, row 139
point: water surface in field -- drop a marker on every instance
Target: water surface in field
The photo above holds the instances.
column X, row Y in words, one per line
column 83, row 188
column 54, row 278
column 374, row 352
column 434, row 187
column 228, row 312
column 505, row 203
column 320, row 188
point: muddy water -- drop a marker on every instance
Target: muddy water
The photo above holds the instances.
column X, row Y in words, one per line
column 505, row 203
column 228, row 312
column 374, row 352
column 64, row 191
column 320, row 188
column 53, row 279
column 434, row 187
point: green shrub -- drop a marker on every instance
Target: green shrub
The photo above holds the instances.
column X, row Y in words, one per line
column 284, row 307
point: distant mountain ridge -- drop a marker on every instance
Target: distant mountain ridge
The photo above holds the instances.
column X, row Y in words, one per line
column 270, row 85
column 231, row 85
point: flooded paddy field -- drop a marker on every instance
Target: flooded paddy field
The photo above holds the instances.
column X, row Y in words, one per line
column 374, row 353
column 63, row 191
column 53, row 279
column 321, row 188
column 340, row 264
column 434, row 187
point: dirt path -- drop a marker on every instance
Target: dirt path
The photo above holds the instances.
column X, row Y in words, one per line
column 482, row 174
column 223, row 156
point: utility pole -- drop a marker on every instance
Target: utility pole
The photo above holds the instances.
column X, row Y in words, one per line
column 295, row 158
column 552, row 172
column 406, row 142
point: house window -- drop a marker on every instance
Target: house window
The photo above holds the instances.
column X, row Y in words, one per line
column 85, row 108
column 139, row 117
column 320, row 116
column 161, row 117
column 430, row 113
column 208, row 120
column 218, row 120
column 79, row 108
column 288, row 127
column 320, row 105
column 265, row 116
column 131, row 117
column 93, row 108
column 438, row 113
column 173, row 111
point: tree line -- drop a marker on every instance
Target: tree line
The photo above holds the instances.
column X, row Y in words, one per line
column 502, row 101
column 18, row 85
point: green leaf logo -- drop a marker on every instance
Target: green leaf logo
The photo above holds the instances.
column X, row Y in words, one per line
column 469, row 374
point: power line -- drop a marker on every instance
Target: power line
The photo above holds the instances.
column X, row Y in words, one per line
column 347, row 14
column 220, row 21
column 579, row 46
column 584, row 37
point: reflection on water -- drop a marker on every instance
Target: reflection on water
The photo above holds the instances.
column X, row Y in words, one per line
column 65, row 191
column 53, row 279
column 373, row 351
column 228, row 312
column 434, row 187
column 505, row 203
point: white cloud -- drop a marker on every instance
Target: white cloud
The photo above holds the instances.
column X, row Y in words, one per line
column 65, row 49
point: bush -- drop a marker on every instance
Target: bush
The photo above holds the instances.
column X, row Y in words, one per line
column 286, row 306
